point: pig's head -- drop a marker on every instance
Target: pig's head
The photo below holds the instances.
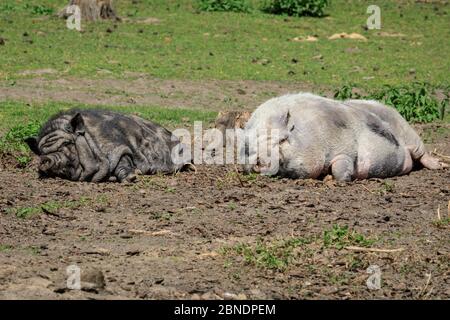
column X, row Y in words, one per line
column 263, row 144
column 56, row 148
column 262, row 151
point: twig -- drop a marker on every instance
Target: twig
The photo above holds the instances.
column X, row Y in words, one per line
column 440, row 155
column 367, row 189
column 426, row 285
column 49, row 213
column 413, row 205
column 150, row 233
column 448, row 209
column 238, row 176
column 353, row 248
column 439, row 212
column 429, row 293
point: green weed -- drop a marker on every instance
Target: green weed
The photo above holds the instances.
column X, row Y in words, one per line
column 340, row 237
column 298, row 8
column 276, row 255
column 224, row 5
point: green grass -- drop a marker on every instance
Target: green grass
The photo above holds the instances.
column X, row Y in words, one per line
column 442, row 223
column 51, row 207
column 13, row 142
column 187, row 44
column 5, row 247
column 340, row 237
column 386, row 187
column 281, row 254
column 276, row 255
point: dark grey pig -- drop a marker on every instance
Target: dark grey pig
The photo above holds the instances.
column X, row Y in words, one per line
column 100, row 145
column 319, row 136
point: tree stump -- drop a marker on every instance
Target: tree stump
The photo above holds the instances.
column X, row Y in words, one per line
column 92, row 10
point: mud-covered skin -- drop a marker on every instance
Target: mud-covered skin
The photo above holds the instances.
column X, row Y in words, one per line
column 319, row 136
column 100, row 145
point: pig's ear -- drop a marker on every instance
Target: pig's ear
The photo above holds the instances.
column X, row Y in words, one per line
column 77, row 124
column 33, row 144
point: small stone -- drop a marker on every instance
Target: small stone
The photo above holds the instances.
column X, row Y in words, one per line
column 229, row 296
column 241, row 296
column 92, row 280
column 210, row 296
column 133, row 253
column 257, row 294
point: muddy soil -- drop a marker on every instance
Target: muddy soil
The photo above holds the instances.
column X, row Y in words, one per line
column 182, row 236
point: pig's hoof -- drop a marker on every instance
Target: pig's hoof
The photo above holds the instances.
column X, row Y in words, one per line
column 189, row 167
column 131, row 178
column 342, row 168
column 432, row 163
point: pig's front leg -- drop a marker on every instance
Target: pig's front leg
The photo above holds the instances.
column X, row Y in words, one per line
column 87, row 159
column 342, row 168
column 95, row 166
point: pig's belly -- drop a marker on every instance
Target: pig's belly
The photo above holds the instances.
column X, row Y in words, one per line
column 382, row 164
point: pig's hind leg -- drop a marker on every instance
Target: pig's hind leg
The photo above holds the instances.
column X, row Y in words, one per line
column 418, row 153
column 342, row 168
column 431, row 162
column 124, row 171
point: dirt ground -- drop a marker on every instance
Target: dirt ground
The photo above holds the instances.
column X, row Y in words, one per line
column 166, row 236
column 138, row 89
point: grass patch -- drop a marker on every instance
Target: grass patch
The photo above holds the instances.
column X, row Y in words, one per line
column 224, row 5
column 51, row 207
column 386, row 187
column 33, row 250
column 5, row 247
column 225, row 45
column 13, row 142
column 340, row 237
column 298, row 8
column 281, row 254
column 163, row 216
column 442, row 223
column 275, row 255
